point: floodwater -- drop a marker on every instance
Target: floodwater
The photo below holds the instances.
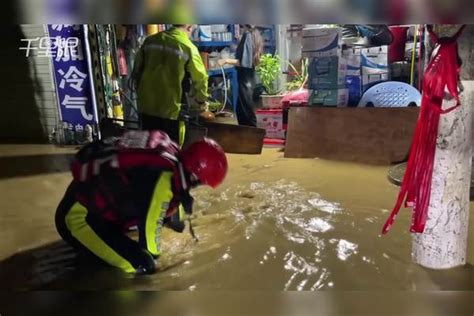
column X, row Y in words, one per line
column 275, row 224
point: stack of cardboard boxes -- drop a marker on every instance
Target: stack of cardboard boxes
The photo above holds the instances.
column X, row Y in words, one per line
column 337, row 76
column 327, row 69
column 354, row 74
column 374, row 65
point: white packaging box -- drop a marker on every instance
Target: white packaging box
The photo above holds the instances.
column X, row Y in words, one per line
column 218, row 28
column 353, row 59
column 374, row 60
column 205, row 33
column 372, row 79
column 272, row 122
column 322, row 42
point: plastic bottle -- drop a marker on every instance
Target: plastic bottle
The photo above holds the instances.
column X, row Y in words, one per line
column 64, row 139
column 72, row 138
column 88, row 133
column 79, row 133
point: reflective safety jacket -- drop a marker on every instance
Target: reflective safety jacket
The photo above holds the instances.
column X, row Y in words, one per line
column 136, row 180
column 161, row 66
column 149, row 198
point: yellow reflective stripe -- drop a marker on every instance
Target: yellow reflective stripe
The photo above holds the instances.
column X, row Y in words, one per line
column 159, row 204
column 77, row 225
column 169, row 49
column 182, row 133
column 182, row 213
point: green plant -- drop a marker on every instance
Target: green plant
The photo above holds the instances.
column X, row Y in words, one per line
column 300, row 77
column 269, row 69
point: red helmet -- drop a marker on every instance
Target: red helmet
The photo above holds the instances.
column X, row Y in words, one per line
column 206, row 160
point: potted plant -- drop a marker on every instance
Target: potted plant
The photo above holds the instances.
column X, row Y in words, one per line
column 269, row 69
column 299, row 77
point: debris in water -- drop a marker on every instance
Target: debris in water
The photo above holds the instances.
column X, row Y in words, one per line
column 246, row 195
column 371, row 219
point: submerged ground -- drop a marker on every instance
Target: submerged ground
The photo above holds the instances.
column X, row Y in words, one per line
column 275, row 224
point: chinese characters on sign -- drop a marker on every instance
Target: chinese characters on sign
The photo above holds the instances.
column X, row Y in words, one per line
column 65, row 46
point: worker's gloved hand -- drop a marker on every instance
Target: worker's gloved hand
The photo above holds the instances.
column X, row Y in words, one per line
column 204, row 106
column 147, row 268
column 174, row 223
column 147, row 263
column 197, row 107
column 142, row 270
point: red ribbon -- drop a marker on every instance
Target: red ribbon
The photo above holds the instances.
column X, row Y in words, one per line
column 442, row 73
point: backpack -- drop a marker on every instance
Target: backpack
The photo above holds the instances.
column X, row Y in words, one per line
column 133, row 149
column 100, row 169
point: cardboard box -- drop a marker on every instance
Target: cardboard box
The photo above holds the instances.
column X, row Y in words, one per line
column 205, row 33
column 322, row 42
column 372, row 79
column 375, row 50
column 218, row 28
column 374, row 60
column 327, row 73
column 353, row 59
column 354, row 86
column 272, row 122
column 333, row 97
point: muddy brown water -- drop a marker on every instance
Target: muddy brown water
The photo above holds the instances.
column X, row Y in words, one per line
column 275, row 224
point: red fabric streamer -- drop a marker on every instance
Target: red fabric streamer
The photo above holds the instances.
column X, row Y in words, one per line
column 441, row 74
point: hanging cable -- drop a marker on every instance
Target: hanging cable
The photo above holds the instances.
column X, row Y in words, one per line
column 225, row 90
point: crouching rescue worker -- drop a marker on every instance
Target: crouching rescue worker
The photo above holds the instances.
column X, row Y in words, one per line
column 138, row 180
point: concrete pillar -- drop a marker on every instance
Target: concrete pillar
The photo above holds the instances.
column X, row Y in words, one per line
column 282, row 50
column 443, row 244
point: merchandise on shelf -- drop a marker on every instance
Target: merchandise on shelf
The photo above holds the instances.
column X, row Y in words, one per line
column 218, row 28
column 205, row 33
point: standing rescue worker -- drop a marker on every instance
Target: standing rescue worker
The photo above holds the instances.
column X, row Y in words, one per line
column 167, row 66
column 118, row 187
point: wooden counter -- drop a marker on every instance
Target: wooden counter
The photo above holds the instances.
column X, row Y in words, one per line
column 367, row 135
